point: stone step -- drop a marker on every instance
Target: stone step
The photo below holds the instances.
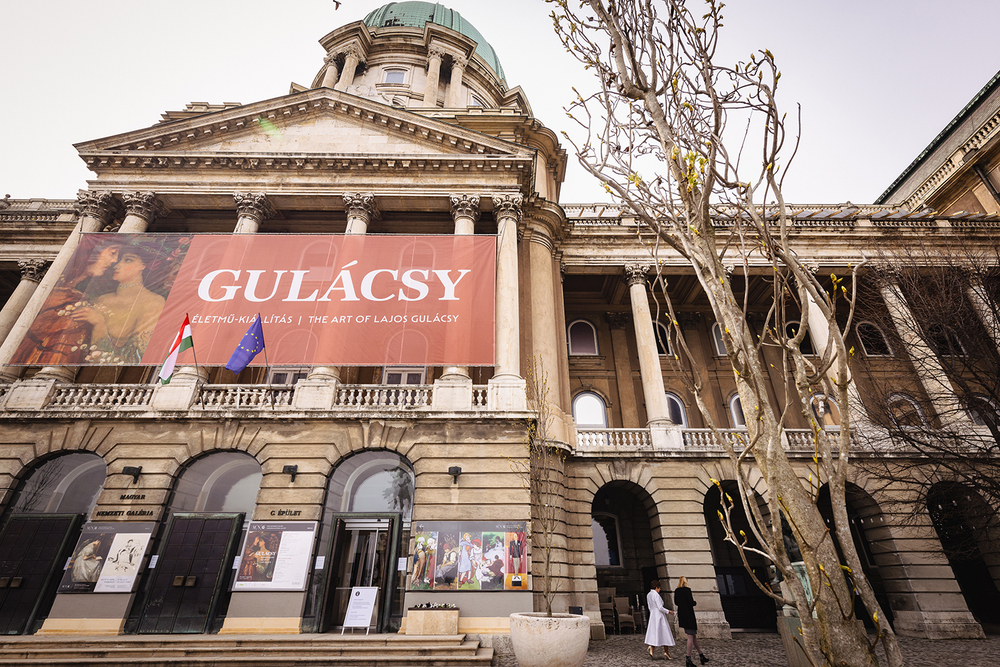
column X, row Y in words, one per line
column 245, row 651
column 208, row 650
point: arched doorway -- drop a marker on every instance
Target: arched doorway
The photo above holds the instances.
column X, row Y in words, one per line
column 968, row 530
column 623, row 541
column 366, row 521
column 189, row 589
column 866, row 522
column 41, row 526
column 746, row 607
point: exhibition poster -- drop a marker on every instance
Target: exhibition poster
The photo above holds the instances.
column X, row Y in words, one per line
column 469, row 556
column 275, row 556
column 107, row 558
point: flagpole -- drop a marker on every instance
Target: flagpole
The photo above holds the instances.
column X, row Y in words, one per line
column 267, row 364
column 197, row 371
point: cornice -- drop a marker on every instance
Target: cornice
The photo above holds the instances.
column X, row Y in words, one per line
column 178, row 134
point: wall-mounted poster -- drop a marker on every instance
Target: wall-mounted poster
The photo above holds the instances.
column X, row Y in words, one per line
column 469, row 556
column 107, row 558
column 275, row 556
column 323, row 299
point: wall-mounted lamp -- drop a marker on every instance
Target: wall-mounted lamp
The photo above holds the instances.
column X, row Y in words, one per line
column 455, row 471
column 290, row 470
column 134, row 471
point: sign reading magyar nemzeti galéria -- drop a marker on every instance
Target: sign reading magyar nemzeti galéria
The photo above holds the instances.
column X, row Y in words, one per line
column 322, row 300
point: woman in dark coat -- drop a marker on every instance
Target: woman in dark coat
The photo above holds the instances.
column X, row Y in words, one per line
column 684, row 601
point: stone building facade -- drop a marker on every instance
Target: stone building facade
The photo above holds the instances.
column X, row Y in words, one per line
column 409, row 128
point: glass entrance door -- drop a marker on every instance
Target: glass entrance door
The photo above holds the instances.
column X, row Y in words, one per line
column 364, row 553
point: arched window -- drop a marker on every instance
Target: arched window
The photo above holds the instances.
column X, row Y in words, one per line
column 590, row 410
column 873, row 341
column 825, row 409
column 944, row 340
column 736, row 412
column 68, row 484
column 663, row 339
column 905, row 412
column 607, row 545
column 984, row 411
column 373, row 481
column 582, row 338
column 806, row 346
column 717, row 342
column 678, row 415
column 219, row 482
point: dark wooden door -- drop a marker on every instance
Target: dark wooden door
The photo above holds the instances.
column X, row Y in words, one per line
column 191, row 574
column 33, row 550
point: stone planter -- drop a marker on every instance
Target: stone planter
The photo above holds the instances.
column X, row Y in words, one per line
column 559, row 640
column 431, row 621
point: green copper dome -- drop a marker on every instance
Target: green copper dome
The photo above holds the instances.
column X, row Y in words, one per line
column 416, row 14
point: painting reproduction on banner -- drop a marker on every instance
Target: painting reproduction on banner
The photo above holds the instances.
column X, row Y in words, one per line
column 107, row 558
column 468, row 556
column 321, row 299
column 275, row 556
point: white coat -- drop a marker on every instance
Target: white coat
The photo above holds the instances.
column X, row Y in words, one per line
column 658, row 633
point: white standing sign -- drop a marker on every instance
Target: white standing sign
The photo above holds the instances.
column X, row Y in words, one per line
column 361, row 607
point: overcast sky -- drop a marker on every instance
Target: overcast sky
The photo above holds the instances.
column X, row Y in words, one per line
column 877, row 79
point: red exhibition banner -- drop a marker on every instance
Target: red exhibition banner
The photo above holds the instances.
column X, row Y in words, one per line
column 323, row 300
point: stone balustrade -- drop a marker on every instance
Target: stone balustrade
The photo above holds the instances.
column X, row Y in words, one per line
column 613, row 438
column 101, row 397
column 94, row 398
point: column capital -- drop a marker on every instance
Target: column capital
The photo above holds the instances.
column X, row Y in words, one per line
column 32, row 269
column 617, row 320
column 435, row 52
column 465, row 206
column 508, row 206
column 355, row 51
column 635, row 274
column 360, row 205
column 253, row 205
column 460, row 62
column 100, row 205
column 145, row 205
column 330, row 59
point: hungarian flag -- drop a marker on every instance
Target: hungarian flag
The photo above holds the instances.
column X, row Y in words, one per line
column 182, row 342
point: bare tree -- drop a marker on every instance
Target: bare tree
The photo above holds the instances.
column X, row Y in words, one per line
column 541, row 472
column 653, row 134
column 947, row 430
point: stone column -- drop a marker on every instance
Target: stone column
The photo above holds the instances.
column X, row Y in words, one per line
column 453, row 390
column 929, row 371
column 977, row 295
column 623, row 369
column 465, row 213
column 330, row 74
column 319, row 389
column 32, row 271
column 455, row 94
column 140, row 210
column 251, row 210
column 352, row 58
column 819, row 333
column 645, row 339
column 434, row 55
column 507, row 386
column 97, row 210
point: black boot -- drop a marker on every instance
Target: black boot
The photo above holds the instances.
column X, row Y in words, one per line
column 703, row 658
column 688, row 662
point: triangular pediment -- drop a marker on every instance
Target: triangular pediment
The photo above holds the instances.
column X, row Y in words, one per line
column 317, row 122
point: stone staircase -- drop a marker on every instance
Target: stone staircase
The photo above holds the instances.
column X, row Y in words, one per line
column 245, row 651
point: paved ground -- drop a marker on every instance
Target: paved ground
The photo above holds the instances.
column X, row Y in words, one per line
column 764, row 650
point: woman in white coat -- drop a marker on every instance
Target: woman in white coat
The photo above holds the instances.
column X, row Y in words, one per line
column 658, row 632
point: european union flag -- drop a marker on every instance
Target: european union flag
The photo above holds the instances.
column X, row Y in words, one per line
column 249, row 347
